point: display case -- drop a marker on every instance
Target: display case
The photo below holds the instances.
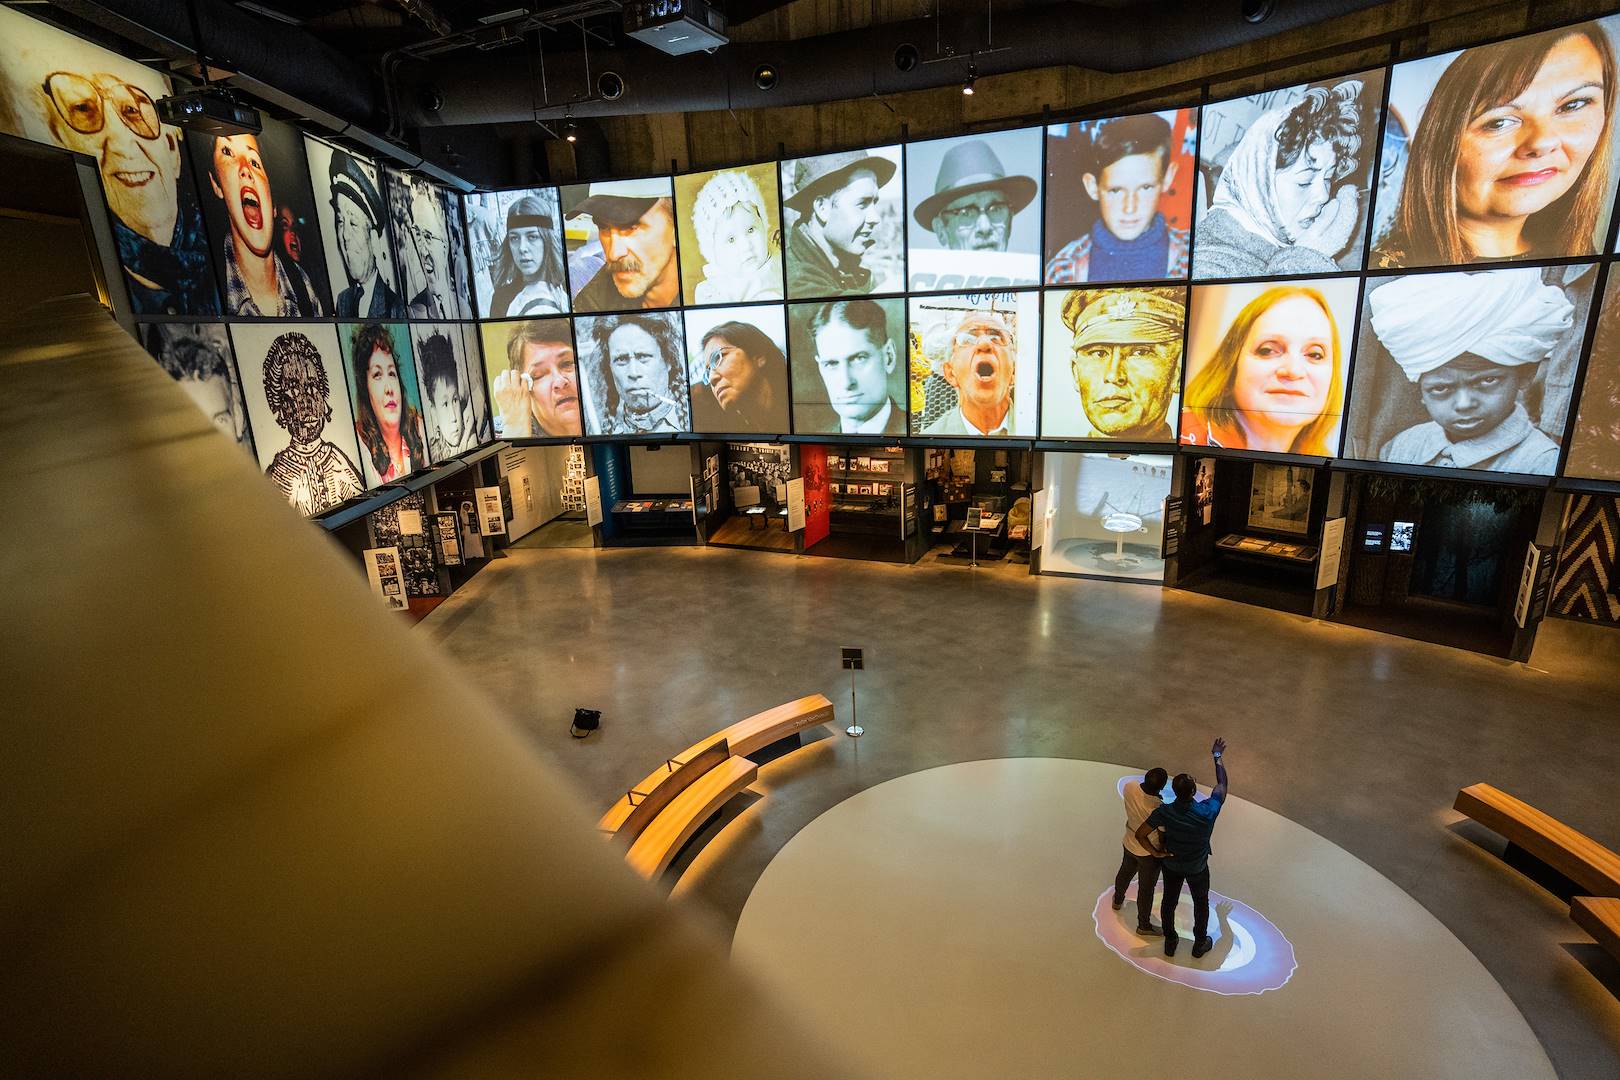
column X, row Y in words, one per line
column 867, row 487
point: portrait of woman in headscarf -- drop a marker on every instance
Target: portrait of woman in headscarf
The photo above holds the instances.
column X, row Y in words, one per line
column 1511, row 155
column 1291, row 198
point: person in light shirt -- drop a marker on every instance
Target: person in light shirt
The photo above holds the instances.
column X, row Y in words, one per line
column 980, row 367
column 1140, row 861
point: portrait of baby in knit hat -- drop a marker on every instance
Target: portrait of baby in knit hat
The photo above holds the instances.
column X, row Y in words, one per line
column 730, row 227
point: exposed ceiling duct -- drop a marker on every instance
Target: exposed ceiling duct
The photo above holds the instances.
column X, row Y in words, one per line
column 499, row 87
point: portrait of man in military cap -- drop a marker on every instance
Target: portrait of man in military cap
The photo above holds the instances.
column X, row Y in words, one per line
column 1112, row 363
column 353, row 221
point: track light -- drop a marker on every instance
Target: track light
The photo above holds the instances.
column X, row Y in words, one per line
column 569, row 133
column 967, row 85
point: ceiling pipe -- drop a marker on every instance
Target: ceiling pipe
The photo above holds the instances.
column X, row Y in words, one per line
column 495, row 88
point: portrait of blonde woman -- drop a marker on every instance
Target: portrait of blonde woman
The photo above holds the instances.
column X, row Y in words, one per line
column 1508, row 156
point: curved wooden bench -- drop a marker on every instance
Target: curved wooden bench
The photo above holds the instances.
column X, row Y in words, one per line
column 1600, row 917
column 1577, row 856
column 658, row 843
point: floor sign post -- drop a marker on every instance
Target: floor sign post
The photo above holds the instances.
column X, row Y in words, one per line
column 853, row 662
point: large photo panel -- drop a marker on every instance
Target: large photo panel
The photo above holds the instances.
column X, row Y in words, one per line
column 622, row 247
column 1594, row 447
column 975, row 364
column 198, row 357
column 849, row 366
column 1289, row 176
column 1105, row 514
column 533, row 379
column 298, row 405
column 1266, row 365
column 736, row 359
column 58, row 90
column 381, row 372
column 1111, row 362
column 1503, row 151
column 451, row 382
column 729, row 225
column 260, row 211
column 354, row 233
column 844, row 221
column 517, row 253
column 974, row 210
column 1119, row 197
column 1469, row 370
column 425, row 250
column 633, row 373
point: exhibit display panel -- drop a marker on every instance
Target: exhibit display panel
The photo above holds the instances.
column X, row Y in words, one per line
column 729, row 224
column 974, row 210
column 518, row 267
column 1105, row 514
column 1119, row 197
column 298, row 406
column 1294, row 172
column 61, row 91
column 633, row 373
column 848, row 362
column 736, row 358
column 843, row 223
column 974, row 362
column 621, row 240
column 1594, row 447
column 1470, row 370
column 1111, row 363
column 198, row 357
column 532, row 374
column 260, row 211
column 1267, row 364
column 1503, row 151
column 354, row 233
column 381, row 370
column 455, row 406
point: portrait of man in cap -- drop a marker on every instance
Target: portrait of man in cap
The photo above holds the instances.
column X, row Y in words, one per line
column 843, row 221
column 970, row 229
column 635, row 228
column 353, row 219
column 1113, row 366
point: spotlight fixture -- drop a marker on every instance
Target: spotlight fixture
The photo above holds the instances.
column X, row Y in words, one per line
column 766, row 77
column 569, row 131
column 967, row 85
column 1257, row 11
column 610, row 85
column 906, row 58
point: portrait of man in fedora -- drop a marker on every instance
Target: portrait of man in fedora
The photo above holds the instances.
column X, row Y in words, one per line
column 843, row 220
column 635, row 223
column 971, row 199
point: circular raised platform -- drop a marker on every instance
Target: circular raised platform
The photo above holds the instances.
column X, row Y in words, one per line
column 956, row 923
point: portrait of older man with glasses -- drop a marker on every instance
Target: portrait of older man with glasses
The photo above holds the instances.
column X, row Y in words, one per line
column 980, row 365
column 975, row 217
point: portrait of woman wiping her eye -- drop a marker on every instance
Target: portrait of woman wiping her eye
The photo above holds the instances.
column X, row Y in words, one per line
column 1508, row 151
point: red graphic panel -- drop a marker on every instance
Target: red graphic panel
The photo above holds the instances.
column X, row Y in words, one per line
column 817, row 499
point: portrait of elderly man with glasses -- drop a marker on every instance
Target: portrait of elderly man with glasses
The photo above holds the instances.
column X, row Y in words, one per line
column 422, row 236
column 980, row 364
column 975, row 217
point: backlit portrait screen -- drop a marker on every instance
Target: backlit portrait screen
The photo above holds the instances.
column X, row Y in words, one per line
column 621, row 240
column 261, row 215
column 729, row 225
column 60, row 91
column 381, row 371
column 517, row 253
column 1119, row 197
column 451, row 382
column 633, row 373
column 198, row 357
column 843, row 216
column 1291, row 172
column 298, row 406
column 974, row 211
column 1111, row 364
column 736, row 359
column 533, row 379
column 1594, row 448
column 1503, row 151
column 1266, row 365
column 354, row 233
column 849, row 366
column 975, row 364
column 1469, row 370
column 1105, row 515
column 432, row 266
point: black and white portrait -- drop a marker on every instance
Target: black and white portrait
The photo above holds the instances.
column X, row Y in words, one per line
column 292, row 378
column 198, row 357
column 517, row 253
column 843, row 216
column 354, row 232
column 1286, row 176
column 848, row 360
column 1280, row 498
column 975, row 211
column 419, row 213
column 736, row 359
column 633, row 372
column 765, row 467
column 451, row 388
column 1469, row 370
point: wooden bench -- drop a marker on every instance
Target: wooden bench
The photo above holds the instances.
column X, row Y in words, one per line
column 1600, row 917
column 1577, row 856
column 651, row 853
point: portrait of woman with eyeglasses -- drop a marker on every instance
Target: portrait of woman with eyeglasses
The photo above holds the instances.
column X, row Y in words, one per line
column 737, row 367
column 974, row 364
column 975, row 212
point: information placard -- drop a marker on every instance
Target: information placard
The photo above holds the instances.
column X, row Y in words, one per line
column 795, row 504
column 491, row 518
column 1327, row 561
column 383, row 571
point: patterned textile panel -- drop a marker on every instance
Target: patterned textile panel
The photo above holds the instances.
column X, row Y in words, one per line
column 1588, row 582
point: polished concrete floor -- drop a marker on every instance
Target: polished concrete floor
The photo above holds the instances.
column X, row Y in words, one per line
column 1360, row 737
